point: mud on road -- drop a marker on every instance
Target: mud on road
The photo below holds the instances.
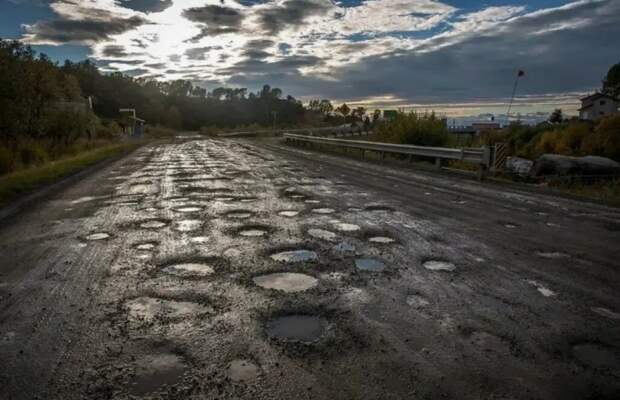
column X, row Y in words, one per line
column 248, row 270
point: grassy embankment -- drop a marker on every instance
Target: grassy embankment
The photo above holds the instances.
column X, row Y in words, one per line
column 18, row 183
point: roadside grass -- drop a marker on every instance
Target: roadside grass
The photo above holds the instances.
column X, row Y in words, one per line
column 18, row 183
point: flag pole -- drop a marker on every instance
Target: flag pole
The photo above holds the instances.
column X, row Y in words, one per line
column 520, row 73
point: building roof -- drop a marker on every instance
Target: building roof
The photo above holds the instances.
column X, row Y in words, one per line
column 597, row 95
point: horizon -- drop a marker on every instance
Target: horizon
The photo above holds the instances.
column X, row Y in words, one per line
column 454, row 57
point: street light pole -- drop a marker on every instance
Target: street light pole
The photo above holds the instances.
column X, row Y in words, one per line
column 520, row 73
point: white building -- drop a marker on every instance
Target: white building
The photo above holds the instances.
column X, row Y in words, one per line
column 598, row 106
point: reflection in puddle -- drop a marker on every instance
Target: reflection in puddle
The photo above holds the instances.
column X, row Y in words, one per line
column 381, row 240
column 188, row 225
column 341, row 226
column 542, row 289
column 344, row 247
column 288, row 214
column 97, row 236
column 323, row 211
column 369, row 264
column 286, row 282
column 297, row 328
column 295, row 256
column 153, row 224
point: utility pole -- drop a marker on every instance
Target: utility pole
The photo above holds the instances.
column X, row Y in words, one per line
column 520, row 73
column 275, row 114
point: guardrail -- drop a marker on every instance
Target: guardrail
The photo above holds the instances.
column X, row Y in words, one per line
column 337, row 131
column 480, row 156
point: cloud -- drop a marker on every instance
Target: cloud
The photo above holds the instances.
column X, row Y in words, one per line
column 214, row 20
column 80, row 24
column 291, row 14
column 148, row 6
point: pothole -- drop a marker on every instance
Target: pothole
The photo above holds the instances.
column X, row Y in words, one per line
column 542, row 289
column 295, row 256
column 153, row 224
column 306, row 329
column 253, row 231
column 148, row 246
column 239, row 214
column 439, row 266
column 148, row 309
column 188, row 209
column 188, row 225
column 596, row 356
column 322, row 234
column 344, row 247
column 369, row 264
column 552, row 255
column 242, row 371
column 288, row 213
column 312, row 201
column 186, row 270
column 381, row 240
column 286, row 281
column 378, row 208
column 323, row 211
column 155, row 372
column 344, row 227
column 417, row 301
column 199, row 239
column 97, row 236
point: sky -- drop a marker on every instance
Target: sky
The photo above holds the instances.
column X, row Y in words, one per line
column 457, row 57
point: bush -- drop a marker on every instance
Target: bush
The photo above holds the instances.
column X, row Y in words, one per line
column 7, row 161
column 32, row 153
column 413, row 128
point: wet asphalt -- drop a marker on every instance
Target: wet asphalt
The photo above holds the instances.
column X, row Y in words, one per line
column 211, row 269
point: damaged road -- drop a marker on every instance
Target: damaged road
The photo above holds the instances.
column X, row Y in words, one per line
column 249, row 270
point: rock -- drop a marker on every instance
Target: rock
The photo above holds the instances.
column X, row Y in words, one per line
column 518, row 165
column 554, row 164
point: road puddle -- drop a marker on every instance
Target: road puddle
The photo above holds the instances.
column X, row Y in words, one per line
column 379, row 208
column 344, row 247
column 322, row 234
column 305, row 329
column 289, row 213
column 312, row 201
column 295, row 256
column 542, row 289
column 188, row 225
column 146, row 246
column 369, row 264
column 199, row 239
column 98, row 236
column 242, row 371
column 239, row 214
column 154, row 372
column 323, row 211
column 605, row 312
column 344, row 227
column 381, row 240
column 188, row 209
column 155, row 224
column 286, row 281
column 552, row 255
column 189, row 270
column 439, row 266
column 148, row 308
column 85, row 199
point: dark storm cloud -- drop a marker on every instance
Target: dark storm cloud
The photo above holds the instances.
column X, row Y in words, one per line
column 148, row 6
column 256, row 66
column 98, row 25
column 291, row 13
column 215, row 20
column 562, row 50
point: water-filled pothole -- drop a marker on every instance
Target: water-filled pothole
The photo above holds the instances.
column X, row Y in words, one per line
column 295, row 256
column 189, row 270
column 322, row 234
column 552, row 255
column 148, row 246
column 188, row 225
column 239, row 214
column 288, row 213
column 344, row 227
column 439, row 266
column 188, row 209
column 369, row 264
column 286, row 281
column 253, row 231
column 542, row 289
column 98, row 236
column 417, row 301
column 154, row 372
column 305, row 329
column 153, row 224
column 381, row 240
column 378, row 208
column 344, row 247
column 323, row 211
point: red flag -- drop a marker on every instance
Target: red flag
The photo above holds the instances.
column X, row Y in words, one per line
column 521, row 73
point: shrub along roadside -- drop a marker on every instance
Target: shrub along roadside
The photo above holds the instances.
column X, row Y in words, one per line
column 21, row 182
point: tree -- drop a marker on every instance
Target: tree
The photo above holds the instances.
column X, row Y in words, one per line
column 611, row 83
column 556, row 116
column 344, row 110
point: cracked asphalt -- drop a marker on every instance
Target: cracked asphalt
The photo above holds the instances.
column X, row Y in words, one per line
column 241, row 269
